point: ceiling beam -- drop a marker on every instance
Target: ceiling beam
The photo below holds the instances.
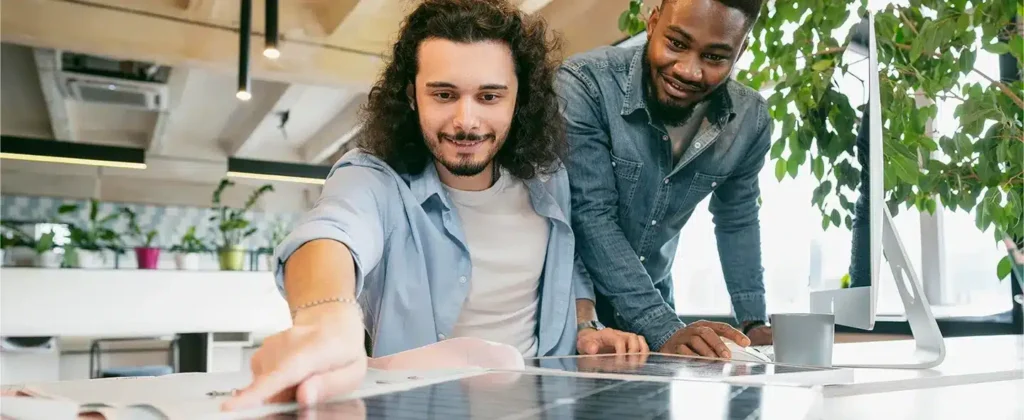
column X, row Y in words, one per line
column 237, row 138
column 109, row 31
column 340, row 129
column 48, row 65
column 330, row 13
column 175, row 88
column 202, row 9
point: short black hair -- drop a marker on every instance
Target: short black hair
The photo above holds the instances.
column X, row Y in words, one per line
column 750, row 8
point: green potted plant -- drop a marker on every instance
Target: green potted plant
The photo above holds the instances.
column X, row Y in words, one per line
column 278, row 231
column 188, row 249
column 146, row 255
column 232, row 225
column 27, row 251
column 89, row 240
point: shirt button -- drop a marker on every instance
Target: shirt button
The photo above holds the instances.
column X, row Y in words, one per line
column 642, row 258
column 440, row 336
column 654, row 222
column 697, row 145
column 613, row 164
column 714, row 184
column 462, row 279
column 664, row 138
column 666, row 180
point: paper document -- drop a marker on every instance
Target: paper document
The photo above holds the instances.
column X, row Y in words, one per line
column 197, row 395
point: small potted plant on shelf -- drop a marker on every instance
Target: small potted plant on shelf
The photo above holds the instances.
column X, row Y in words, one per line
column 278, row 231
column 187, row 251
column 232, row 225
column 27, row 251
column 89, row 240
column 146, row 255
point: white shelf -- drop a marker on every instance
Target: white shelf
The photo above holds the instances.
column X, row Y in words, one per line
column 131, row 303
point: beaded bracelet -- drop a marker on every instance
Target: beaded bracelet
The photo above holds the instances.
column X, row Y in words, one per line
column 318, row 302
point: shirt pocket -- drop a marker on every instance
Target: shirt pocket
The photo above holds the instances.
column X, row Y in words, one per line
column 701, row 185
column 627, row 174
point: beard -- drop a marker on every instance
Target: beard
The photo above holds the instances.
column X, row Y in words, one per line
column 668, row 112
column 463, row 165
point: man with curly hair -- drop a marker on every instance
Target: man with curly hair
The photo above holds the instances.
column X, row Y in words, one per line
column 453, row 221
column 653, row 130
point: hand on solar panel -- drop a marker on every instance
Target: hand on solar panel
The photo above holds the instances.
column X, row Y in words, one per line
column 702, row 338
column 609, row 340
column 321, row 356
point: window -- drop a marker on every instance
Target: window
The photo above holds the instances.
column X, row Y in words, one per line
column 789, row 235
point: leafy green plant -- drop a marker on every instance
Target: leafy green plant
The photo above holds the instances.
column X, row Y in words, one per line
column 926, row 48
column 96, row 233
column 15, row 237
column 278, row 231
column 231, row 223
column 633, row 20
column 190, row 243
column 144, row 238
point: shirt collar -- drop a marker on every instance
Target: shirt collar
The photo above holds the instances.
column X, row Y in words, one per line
column 427, row 184
column 720, row 110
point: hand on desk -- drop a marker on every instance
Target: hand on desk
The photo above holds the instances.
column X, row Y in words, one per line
column 609, row 340
column 702, row 338
column 321, row 356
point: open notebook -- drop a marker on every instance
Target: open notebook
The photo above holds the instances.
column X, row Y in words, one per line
column 182, row 396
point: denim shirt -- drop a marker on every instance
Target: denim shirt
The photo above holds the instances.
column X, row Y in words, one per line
column 630, row 200
column 413, row 268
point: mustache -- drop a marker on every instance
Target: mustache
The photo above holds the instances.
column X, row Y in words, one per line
column 464, row 136
column 695, row 86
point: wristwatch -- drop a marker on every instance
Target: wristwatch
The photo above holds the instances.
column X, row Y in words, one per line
column 595, row 324
column 752, row 325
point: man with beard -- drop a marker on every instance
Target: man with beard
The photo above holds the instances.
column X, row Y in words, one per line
column 452, row 222
column 652, row 131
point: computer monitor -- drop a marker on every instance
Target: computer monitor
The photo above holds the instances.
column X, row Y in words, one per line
column 856, row 306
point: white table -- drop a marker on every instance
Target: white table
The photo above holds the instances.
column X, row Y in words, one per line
column 214, row 313
column 969, row 360
column 989, row 401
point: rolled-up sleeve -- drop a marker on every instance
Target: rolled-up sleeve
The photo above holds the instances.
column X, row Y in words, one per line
column 351, row 210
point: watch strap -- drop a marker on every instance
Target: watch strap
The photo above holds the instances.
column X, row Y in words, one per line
column 589, row 324
column 751, row 325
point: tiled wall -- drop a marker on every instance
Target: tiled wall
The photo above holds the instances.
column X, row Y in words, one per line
column 170, row 221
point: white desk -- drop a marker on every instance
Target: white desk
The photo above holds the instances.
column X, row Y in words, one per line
column 989, row 401
column 132, row 303
column 969, row 360
column 215, row 313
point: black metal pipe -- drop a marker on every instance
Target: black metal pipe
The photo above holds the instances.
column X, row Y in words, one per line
column 244, row 31
column 270, row 49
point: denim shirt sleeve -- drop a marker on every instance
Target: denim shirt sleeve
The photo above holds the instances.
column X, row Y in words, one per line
column 602, row 246
column 349, row 210
column 738, row 232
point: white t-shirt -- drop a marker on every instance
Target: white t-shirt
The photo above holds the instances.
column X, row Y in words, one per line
column 507, row 242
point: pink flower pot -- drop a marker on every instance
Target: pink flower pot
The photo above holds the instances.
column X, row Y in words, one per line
column 147, row 257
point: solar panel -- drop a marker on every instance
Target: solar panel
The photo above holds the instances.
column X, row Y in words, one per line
column 672, row 367
column 511, row 395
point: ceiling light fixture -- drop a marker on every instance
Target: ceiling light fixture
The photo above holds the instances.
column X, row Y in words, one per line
column 270, row 49
column 54, row 151
column 277, row 171
column 244, row 30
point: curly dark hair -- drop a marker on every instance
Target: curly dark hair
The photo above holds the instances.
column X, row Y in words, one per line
column 536, row 138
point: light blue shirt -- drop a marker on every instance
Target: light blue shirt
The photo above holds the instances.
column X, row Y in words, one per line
column 413, row 268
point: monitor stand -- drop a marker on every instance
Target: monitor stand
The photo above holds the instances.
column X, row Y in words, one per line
column 929, row 348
